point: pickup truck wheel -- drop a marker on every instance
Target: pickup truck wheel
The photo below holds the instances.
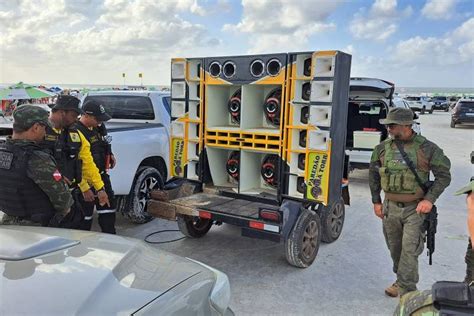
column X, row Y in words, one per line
column 423, row 110
column 431, row 111
column 303, row 242
column 147, row 179
column 194, row 227
column 332, row 221
column 453, row 125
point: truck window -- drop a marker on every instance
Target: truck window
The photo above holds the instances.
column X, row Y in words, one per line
column 167, row 102
column 413, row 98
column 126, row 106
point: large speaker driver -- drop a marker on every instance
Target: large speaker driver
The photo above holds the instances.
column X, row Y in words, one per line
column 233, row 165
column 234, row 106
column 270, row 170
column 302, row 140
column 215, row 69
column 272, row 107
column 229, row 69
column 257, row 68
column 273, row 67
column 304, row 115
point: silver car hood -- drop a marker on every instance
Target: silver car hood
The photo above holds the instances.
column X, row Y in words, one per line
column 102, row 274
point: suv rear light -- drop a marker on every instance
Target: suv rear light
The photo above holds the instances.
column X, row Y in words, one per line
column 270, row 215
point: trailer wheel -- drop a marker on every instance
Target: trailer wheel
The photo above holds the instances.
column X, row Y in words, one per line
column 332, row 221
column 194, row 227
column 303, row 242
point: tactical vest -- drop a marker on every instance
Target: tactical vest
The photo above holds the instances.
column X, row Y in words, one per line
column 397, row 180
column 20, row 195
column 98, row 144
column 65, row 147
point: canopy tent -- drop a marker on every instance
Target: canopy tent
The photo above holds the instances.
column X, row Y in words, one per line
column 21, row 91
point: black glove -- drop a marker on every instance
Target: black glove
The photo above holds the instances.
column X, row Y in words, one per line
column 56, row 220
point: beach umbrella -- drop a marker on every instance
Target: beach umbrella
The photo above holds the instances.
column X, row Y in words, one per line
column 21, row 91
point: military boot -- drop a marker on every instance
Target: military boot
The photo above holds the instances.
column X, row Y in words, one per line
column 392, row 290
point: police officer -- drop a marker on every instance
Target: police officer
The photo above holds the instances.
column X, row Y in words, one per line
column 405, row 202
column 72, row 151
column 32, row 190
column 91, row 125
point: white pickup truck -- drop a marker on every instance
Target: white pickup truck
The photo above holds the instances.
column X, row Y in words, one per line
column 139, row 129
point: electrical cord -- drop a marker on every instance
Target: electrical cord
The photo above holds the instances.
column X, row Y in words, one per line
column 162, row 242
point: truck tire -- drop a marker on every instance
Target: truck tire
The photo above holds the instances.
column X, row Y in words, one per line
column 453, row 125
column 303, row 242
column 146, row 180
column 423, row 110
column 332, row 221
column 194, row 227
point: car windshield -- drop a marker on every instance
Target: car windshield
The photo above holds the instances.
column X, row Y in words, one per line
column 413, row 98
column 466, row 105
column 126, row 106
column 369, row 108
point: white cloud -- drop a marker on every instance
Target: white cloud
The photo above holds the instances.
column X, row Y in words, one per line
column 380, row 22
column 439, row 9
column 452, row 48
column 109, row 35
column 272, row 24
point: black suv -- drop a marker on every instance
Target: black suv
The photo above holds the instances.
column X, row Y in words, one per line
column 463, row 112
column 440, row 103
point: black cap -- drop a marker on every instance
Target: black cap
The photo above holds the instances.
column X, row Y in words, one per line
column 94, row 108
column 67, row 103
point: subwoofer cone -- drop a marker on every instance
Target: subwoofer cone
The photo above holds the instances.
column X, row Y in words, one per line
column 229, row 69
column 272, row 107
column 273, row 67
column 257, row 68
column 270, row 170
column 215, row 69
column 233, row 165
column 306, row 91
column 234, row 106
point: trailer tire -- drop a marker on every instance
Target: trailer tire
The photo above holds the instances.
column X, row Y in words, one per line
column 146, row 180
column 194, row 227
column 332, row 221
column 303, row 242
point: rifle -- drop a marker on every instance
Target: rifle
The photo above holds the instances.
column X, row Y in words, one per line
column 431, row 219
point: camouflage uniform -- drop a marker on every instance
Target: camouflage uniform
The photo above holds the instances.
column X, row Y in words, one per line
column 469, row 258
column 40, row 168
column 402, row 225
column 416, row 303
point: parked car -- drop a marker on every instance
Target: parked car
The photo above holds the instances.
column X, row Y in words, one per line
column 463, row 112
column 369, row 101
column 51, row 271
column 440, row 103
column 452, row 101
column 140, row 131
column 420, row 103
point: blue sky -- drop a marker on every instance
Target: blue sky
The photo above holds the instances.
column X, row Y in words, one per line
column 426, row 43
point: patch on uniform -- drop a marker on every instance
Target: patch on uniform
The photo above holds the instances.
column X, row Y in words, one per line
column 51, row 137
column 75, row 137
column 57, row 175
column 6, row 159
